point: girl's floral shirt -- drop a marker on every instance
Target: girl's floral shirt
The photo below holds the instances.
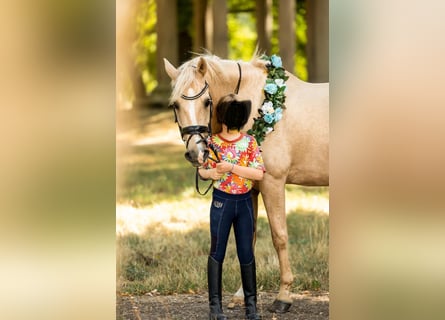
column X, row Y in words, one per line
column 243, row 151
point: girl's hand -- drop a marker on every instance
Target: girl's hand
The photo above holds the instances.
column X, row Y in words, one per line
column 210, row 174
column 214, row 174
column 223, row 167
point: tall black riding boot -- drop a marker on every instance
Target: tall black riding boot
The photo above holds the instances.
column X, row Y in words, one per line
column 214, row 277
column 248, row 278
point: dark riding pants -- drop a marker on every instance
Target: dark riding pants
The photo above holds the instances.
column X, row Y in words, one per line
column 227, row 210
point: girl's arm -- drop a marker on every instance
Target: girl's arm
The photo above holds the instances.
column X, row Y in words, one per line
column 246, row 172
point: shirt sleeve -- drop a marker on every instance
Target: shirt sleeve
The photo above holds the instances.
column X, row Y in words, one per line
column 255, row 157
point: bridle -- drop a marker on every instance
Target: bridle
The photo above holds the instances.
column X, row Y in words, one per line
column 196, row 129
column 200, row 129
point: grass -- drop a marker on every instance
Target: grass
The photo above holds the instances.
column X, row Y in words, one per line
column 154, row 175
column 172, row 261
column 162, row 223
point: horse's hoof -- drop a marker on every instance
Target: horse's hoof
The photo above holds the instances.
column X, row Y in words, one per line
column 236, row 301
column 279, row 306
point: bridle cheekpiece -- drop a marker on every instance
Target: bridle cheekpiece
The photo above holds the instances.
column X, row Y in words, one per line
column 196, row 129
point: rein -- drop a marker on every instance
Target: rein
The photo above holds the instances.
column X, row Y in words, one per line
column 198, row 175
column 200, row 129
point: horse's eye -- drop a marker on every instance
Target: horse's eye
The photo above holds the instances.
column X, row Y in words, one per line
column 208, row 102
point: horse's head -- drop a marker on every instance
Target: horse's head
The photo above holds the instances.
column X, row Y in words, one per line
column 192, row 106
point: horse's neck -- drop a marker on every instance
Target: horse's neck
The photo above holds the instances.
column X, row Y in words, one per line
column 252, row 81
column 251, row 85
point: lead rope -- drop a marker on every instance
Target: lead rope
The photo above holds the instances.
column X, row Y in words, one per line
column 197, row 176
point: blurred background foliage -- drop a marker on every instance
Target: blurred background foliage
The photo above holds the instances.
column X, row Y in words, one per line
column 241, row 30
column 145, row 43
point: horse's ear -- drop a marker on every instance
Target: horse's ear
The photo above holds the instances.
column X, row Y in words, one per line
column 170, row 69
column 202, row 66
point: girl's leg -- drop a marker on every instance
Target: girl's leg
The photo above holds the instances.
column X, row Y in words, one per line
column 220, row 224
column 244, row 234
column 221, row 218
column 214, row 274
column 243, row 226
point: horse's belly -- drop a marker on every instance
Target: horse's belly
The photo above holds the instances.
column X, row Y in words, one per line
column 315, row 174
column 309, row 180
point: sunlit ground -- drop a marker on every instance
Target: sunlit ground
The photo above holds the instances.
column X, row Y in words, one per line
column 186, row 214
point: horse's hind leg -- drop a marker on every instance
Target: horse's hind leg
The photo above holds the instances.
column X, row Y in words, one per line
column 273, row 193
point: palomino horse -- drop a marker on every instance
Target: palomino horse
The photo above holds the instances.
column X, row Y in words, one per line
column 296, row 152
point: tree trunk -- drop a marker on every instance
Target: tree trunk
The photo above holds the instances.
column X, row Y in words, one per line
column 286, row 34
column 220, row 33
column 167, row 47
column 318, row 40
column 125, row 60
column 264, row 25
column 199, row 13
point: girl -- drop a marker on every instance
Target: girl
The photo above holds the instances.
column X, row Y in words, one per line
column 241, row 164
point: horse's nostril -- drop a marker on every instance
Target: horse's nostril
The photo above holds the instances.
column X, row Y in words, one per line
column 189, row 158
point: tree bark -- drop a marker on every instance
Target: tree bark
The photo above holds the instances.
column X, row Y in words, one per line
column 318, row 40
column 125, row 61
column 166, row 47
column 220, row 33
column 264, row 25
column 286, row 34
column 199, row 13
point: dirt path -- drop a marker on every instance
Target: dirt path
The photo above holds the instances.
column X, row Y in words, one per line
column 306, row 306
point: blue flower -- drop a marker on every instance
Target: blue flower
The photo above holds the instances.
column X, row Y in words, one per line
column 276, row 61
column 268, row 117
column 278, row 114
column 271, row 88
column 271, row 110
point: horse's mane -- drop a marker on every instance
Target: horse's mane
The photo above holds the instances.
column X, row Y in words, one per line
column 187, row 71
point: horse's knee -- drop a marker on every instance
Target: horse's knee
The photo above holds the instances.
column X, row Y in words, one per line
column 280, row 241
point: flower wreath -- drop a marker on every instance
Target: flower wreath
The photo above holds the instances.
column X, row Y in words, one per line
column 271, row 110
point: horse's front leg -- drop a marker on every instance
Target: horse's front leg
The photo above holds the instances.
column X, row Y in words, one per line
column 273, row 192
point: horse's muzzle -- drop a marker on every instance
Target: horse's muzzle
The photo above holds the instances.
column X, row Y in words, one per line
column 192, row 157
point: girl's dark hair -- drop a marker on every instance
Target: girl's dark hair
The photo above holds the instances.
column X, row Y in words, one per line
column 232, row 112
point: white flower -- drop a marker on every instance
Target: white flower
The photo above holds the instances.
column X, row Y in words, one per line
column 269, row 130
column 280, row 82
column 267, row 107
